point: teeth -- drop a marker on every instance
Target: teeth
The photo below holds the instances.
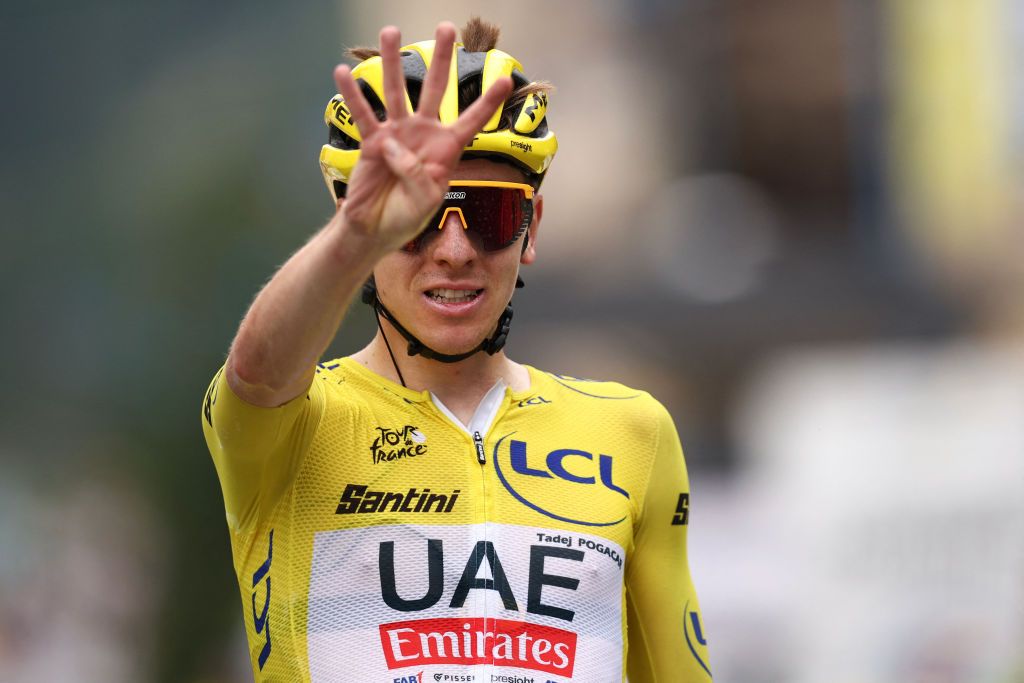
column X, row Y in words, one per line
column 452, row 296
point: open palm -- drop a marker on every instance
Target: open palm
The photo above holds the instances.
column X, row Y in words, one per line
column 406, row 161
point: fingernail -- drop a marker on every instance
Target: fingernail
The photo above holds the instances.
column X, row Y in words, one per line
column 392, row 148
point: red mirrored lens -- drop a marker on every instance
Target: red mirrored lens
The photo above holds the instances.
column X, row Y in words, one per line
column 499, row 215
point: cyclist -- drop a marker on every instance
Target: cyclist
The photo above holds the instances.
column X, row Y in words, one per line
column 441, row 512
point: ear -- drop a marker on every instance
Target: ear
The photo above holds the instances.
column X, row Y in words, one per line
column 530, row 254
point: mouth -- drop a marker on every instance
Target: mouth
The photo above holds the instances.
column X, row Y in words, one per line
column 452, row 296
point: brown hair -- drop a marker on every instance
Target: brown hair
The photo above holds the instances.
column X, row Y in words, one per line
column 479, row 35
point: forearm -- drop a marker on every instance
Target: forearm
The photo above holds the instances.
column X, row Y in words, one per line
column 297, row 314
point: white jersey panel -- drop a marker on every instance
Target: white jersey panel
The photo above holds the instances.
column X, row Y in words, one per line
column 489, row 602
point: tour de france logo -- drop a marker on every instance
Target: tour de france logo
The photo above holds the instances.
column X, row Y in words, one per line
column 396, row 444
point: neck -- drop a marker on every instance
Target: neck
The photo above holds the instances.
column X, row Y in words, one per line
column 455, row 384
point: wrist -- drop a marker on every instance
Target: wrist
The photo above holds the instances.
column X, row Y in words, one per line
column 353, row 244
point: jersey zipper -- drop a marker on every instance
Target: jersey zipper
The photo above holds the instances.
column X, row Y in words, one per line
column 478, row 446
column 478, row 441
column 485, row 668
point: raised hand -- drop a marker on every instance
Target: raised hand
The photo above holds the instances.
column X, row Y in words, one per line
column 407, row 160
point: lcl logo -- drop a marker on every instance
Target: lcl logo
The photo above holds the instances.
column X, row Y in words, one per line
column 564, row 464
column 261, row 620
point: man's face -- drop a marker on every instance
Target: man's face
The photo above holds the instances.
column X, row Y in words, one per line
column 418, row 287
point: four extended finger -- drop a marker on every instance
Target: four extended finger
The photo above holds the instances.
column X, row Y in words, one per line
column 476, row 115
column 394, row 79
column 362, row 113
column 437, row 75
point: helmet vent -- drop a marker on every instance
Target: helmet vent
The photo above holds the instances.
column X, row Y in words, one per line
column 413, row 66
column 341, row 140
column 470, row 64
column 415, row 70
column 373, row 100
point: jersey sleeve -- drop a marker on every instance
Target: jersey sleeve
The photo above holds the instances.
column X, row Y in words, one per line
column 256, row 450
column 666, row 634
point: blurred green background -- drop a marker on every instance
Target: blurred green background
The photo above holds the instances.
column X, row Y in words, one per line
column 797, row 223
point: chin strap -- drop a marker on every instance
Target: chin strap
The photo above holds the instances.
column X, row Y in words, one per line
column 491, row 345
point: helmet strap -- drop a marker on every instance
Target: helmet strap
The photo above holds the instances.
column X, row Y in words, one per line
column 391, row 353
column 490, row 345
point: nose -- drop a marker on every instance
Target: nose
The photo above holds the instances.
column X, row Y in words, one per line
column 453, row 245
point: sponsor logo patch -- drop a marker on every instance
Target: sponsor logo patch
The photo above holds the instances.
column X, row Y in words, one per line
column 415, row 678
column 682, row 515
column 494, row 579
column 498, row 642
column 564, row 468
column 694, row 632
column 396, row 444
column 211, row 397
column 359, row 499
column 341, row 112
column 261, row 620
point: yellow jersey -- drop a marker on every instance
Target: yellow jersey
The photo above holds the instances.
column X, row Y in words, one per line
column 377, row 539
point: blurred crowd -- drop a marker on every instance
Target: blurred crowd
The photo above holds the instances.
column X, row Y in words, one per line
column 796, row 223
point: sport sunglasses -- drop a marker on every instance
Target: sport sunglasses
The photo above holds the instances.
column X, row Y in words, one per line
column 498, row 212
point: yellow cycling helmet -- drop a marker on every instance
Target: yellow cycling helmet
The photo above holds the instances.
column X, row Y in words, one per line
column 519, row 135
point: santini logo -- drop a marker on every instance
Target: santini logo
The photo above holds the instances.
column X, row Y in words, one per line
column 395, row 444
column 356, row 499
column 455, row 195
